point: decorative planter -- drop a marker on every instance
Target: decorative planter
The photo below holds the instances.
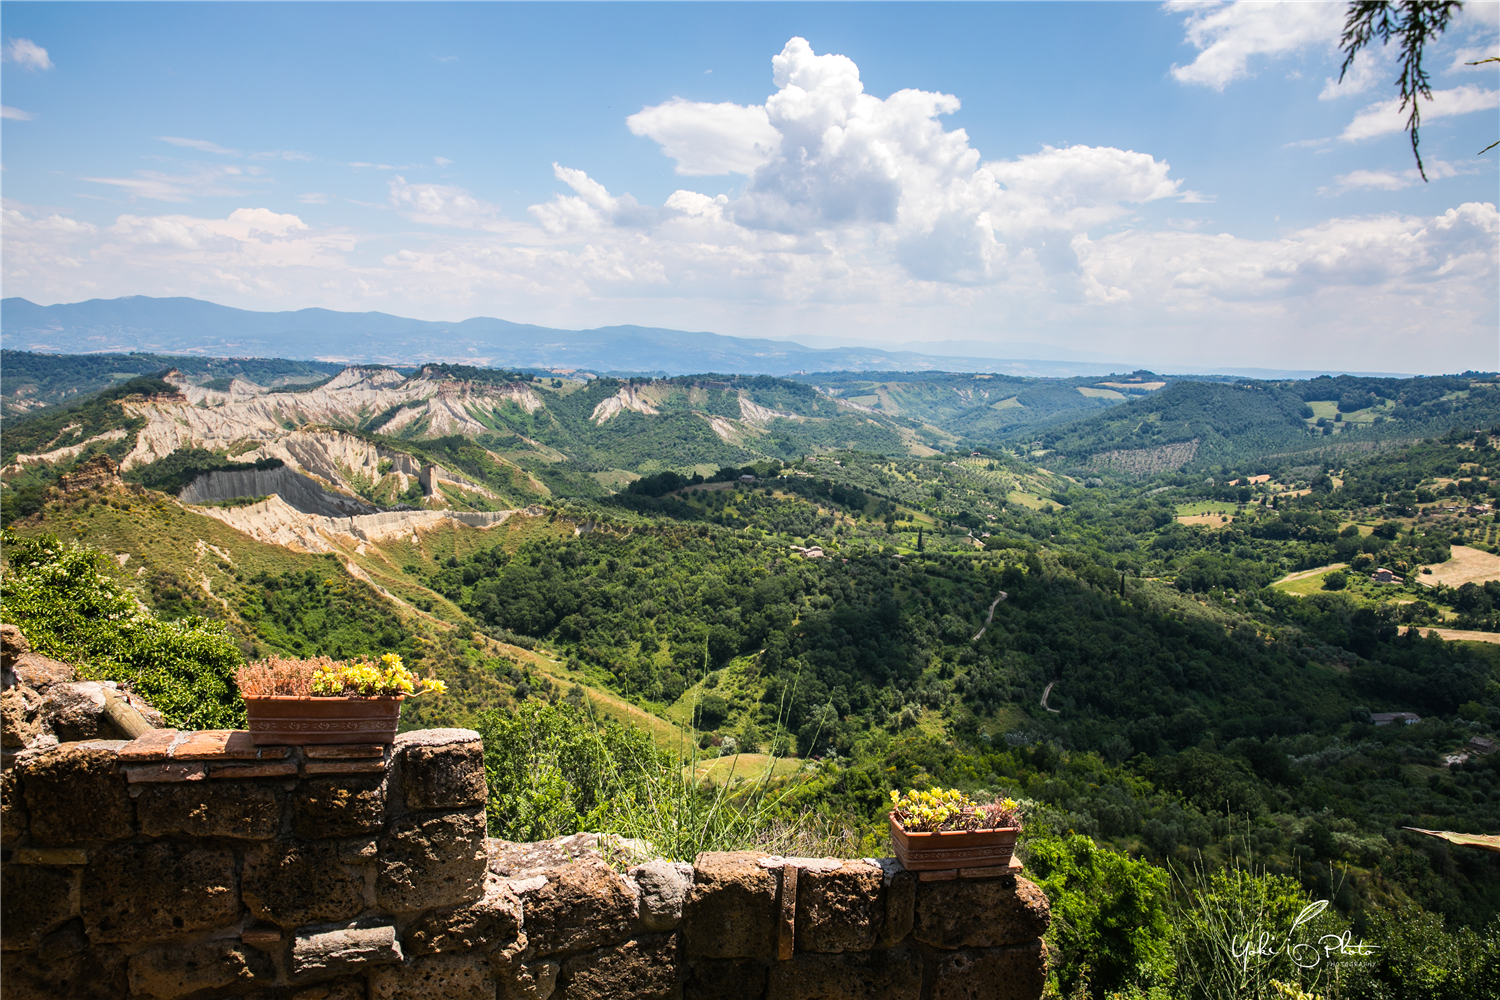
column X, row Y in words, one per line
column 923, row 852
column 281, row 721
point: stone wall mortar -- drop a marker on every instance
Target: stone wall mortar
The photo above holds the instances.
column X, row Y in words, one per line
column 185, row 866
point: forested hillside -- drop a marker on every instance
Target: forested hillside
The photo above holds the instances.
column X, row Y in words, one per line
column 1181, row 665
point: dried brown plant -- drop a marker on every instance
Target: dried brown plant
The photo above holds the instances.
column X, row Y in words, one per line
column 278, row 677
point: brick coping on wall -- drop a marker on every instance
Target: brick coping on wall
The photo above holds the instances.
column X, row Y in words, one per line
column 195, row 865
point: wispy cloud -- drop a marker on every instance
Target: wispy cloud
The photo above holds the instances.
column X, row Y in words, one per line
column 1386, row 116
column 213, row 182
column 1392, row 180
column 313, row 198
column 201, row 145
column 441, row 161
column 1227, row 36
column 9, row 113
column 28, row 54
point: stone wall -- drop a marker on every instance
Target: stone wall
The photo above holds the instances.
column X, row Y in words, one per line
column 195, row 865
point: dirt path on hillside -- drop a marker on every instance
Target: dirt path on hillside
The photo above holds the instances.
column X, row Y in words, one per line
column 1304, row 574
column 1468, row 565
column 990, row 617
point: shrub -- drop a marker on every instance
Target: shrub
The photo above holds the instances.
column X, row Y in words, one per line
column 58, row 595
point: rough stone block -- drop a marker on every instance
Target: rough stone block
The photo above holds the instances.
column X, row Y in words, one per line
column 431, row 860
column 664, row 887
column 164, row 772
column 643, row 969
column 583, row 905
column 219, row 744
column 442, row 772
column 20, row 716
column 137, row 892
column 1015, row 973
column 57, row 856
column 890, row 975
column 75, row 711
column 168, row 973
column 488, row 924
column 149, row 747
column 33, row 902
column 344, row 751
column 343, row 988
column 318, row 951
column 258, row 769
column 435, row 977
column 13, row 818
column 840, row 910
column 40, row 672
column 528, row 981
column 86, row 974
column 250, row 811
column 13, row 644
column 968, row 913
column 75, row 793
column 726, row 979
column 900, row 903
column 316, row 768
column 328, row 807
column 290, row 884
column 358, row 850
column 731, row 911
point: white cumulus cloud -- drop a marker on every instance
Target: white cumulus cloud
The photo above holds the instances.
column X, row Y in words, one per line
column 27, row 54
column 1228, row 35
column 441, row 205
column 708, row 139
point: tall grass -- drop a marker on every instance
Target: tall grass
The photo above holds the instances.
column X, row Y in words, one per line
column 559, row 769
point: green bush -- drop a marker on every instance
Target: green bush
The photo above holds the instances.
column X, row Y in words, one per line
column 69, row 609
column 1109, row 914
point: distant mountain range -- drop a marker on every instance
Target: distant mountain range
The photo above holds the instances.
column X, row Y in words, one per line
column 192, row 326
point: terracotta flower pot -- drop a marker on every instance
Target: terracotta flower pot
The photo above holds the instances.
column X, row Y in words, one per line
column 279, row 721
column 922, row 852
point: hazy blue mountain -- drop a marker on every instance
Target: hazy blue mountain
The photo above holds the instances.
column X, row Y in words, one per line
column 175, row 325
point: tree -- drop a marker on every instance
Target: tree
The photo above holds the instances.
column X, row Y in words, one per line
column 1413, row 23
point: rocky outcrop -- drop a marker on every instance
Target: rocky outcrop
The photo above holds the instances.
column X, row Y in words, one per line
column 42, row 703
column 628, row 398
column 279, row 523
column 161, row 868
column 297, row 490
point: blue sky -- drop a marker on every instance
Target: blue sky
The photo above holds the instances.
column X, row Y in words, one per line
column 1159, row 184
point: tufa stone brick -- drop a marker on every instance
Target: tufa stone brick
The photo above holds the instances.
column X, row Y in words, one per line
column 431, row 860
column 290, row 884
column 148, row 747
column 840, row 910
column 75, row 793
column 13, row 818
column 328, row 807
column 33, row 902
column 731, row 911
column 890, row 975
column 40, row 672
column 343, row 988
column 664, row 887
column 643, row 969
column 344, row 751
column 1015, row 973
column 20, row 716
column 529, row 981
column 168, row 973
column 966, row 913
column 490, row 923
column 449, row 776
column 435, row 977
column 321, row 951
column 900, row 903
column 137, row 892
column 583, row 905
column 88, row 974
column 164, row 773
column 315, row 768
column 726, row 979
column 199, row 809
